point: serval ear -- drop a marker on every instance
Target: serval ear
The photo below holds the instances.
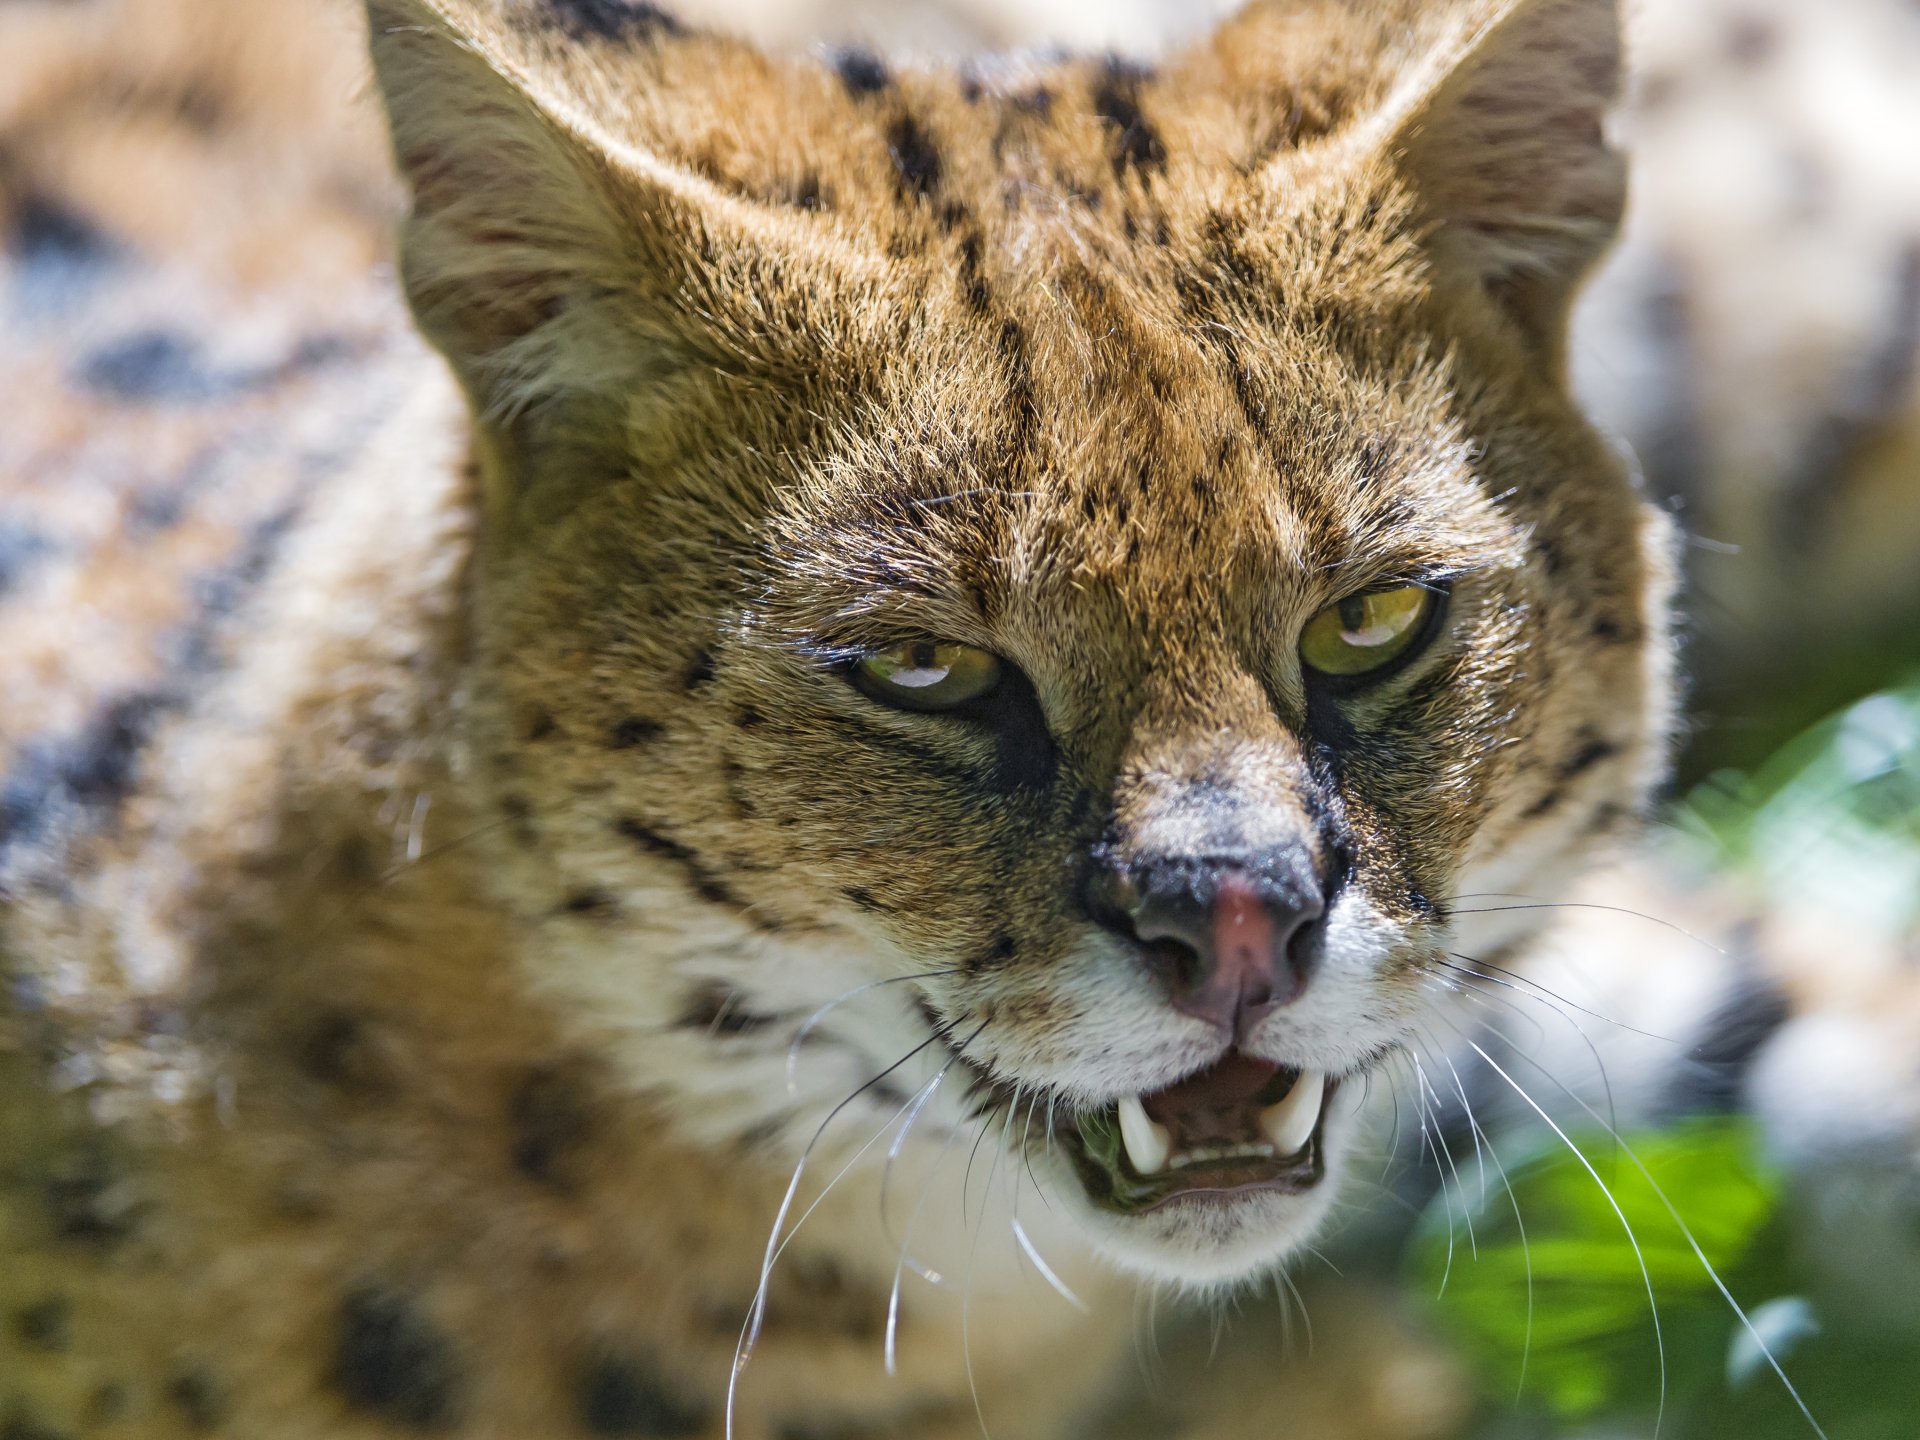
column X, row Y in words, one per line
column 591, row 290
column 1502, row 139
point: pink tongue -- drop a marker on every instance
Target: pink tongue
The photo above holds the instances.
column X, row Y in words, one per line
column 1231, row 1084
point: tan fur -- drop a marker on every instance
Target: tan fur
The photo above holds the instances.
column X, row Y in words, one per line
column 401, row 1041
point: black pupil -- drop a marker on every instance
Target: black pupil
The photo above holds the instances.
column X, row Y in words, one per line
column 1353, row 613
column 923, row 655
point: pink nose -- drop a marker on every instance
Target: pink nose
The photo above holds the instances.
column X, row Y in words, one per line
column 1227, row 950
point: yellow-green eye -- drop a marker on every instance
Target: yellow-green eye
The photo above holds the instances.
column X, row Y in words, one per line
column 1364, row 633
column 928, row 675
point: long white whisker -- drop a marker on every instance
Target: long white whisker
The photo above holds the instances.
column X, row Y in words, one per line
column 892, row 1347
column 966, row 1288
column 1520, row 1225
column 1046, row 1270
column 1466, row 1210
column 1693, row 1244
column 812, row 1022
column 1653, row 1305
column 756, row 1312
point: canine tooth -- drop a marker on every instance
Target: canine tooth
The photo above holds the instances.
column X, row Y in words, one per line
column 1289, row 1124
column 1148, row 1144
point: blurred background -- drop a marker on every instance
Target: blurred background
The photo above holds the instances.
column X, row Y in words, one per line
column 196, row 211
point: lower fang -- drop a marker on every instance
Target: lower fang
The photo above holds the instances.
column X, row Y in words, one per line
column 1148, row 1144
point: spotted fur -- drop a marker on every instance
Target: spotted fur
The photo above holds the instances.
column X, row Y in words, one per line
column 434, row 813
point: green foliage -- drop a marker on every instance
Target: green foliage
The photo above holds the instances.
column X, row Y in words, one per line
column 1587, row 1338
column 1836, row 811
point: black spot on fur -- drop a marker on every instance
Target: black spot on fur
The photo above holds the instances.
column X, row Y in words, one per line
column 823, row 1299
column 915, row 157
column 651, row 840
column 47, row 1325
column 1037, row 101
column 590, row 902
column 392, row 1360
column 1714, row 1073
column 340, row 1050
column 96, row 768
column 1116, row 100
column 864, row 899
column 23, row 1424
column 634, row 730
column 110, row 1402
column 1001, row 950
column 618, row 20
column 626, row 1395
column 58, row 255
column 748, row 718
column 200, row 1398
column 540, row 726
column 154, row 366
column 1590, row 754
column 699, row 671
column 972, row 276
column 519, row 812
column 552, row 1121
column 719, row 1009
column 861, row 71
column 806, row 193
column 90, row 1197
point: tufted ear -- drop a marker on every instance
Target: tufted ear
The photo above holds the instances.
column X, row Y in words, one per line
column 589, row 291
column 1502, row 140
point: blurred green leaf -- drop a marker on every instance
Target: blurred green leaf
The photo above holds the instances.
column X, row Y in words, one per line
column 1836, row 811
column 1587, row 1341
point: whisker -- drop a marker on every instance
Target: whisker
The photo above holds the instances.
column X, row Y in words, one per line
column 892, row 1344
column 1515, row 978
column 1520, row 1225
column 1686, row 1232
column 1466, row 1211
column 1535, row 904
column 1470, row 990
column 812, row 1022
column 966, row 1287
column 756, row 1312
column 1046, row 1270
column 1653, row 1305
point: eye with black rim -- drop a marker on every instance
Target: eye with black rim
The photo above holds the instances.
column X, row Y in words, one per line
column 928, row 675
column 1367, row 637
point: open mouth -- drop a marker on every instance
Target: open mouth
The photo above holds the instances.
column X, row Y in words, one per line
column 1240, row 1126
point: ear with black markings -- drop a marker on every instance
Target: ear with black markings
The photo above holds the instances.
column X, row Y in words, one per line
column 586, row 288
column 1503, row 143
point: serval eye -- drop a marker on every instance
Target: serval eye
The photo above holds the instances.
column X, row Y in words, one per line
column 1363, row 634
column 927, row 675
